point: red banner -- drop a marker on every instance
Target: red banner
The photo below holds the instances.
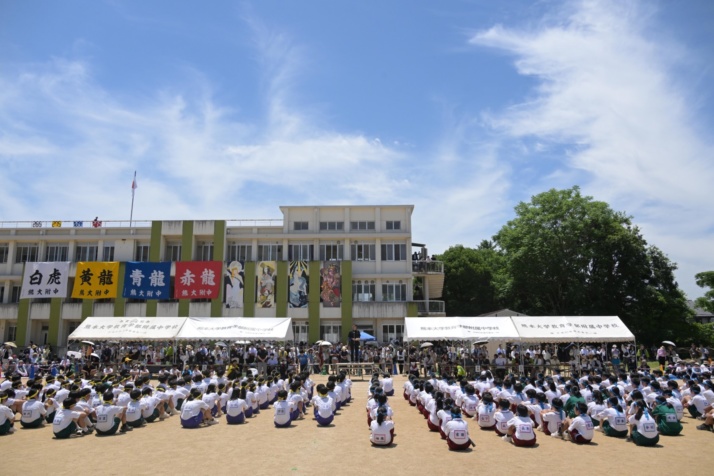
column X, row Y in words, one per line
column 198, row 279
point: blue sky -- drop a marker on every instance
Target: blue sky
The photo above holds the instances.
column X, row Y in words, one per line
column 464, row 108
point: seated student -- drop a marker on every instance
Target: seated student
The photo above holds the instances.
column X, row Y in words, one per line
column 520, row 428
column 33, row 411
column 194, row 411
column 445, row 416
column 212, row 399
column 675, row 402
column 613, row 420
column 69, row 422
column 502, row 416
column 236, row 406
column 580, row 429
column 553, row 419
column 468, row 401
column 381, row 429
column 135, row 409
column 245, row 390
column 151, row 410
column 433, row 407
column 295, row 398
column 485, row 412
column 538, row 403
column 596, row 406
column 324, row 406
column 387, row 384
column 51, row 404
column 110, row 416
column 666, row 417
column 283, row 410
column 7, row 416
column 252, row 397
column 457, row 431
column 263, row 394
column 381, row 400
column 643, row 428
column 697, row 403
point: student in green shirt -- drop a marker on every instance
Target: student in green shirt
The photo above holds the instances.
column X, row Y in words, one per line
column 666, row 417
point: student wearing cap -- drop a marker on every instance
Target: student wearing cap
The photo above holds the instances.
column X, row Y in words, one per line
column 7, row 416
column 381, row 429
column 520, row 430
column 33, row 410
column 110, row 416
column 457, row 431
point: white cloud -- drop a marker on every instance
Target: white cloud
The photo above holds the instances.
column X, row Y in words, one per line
column 611, row 94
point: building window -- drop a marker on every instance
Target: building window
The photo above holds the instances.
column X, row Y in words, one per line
column 299, row 252
column 11, row 334
column 300, row 331
column 394, row 291
column 86, row 253
column 331, row 333
column 394, row 225
column 15, row 298
column 56, row 252
column 173, row 252
column 204, row 251
column 363, row 291
column 26, row 253
column 332, row 226
column 269, row 252
column 300, row 226
column 392, row 333
column 331, row 251
column 394, row 252
column 363, row 252
column 108, row 254
column 2, row 294
column 238, row 252
column 4, row 250
column 142, row 253
column 361, row 225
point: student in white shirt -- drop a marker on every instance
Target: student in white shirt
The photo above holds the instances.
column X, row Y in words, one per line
column 643, row 427
column 485, row 412
column 387, row 384
column 236, row 406
column 324, row 407
column 110, row 416
column 581, row 428
column 381, row 429
column 520, row 428
column 7, row 416
column 195, row 412
column 468, row 401
column 282, row 410
column 457, row 431
column 553, row 419
column 613, row 420
column 502, row 417
column 33, row 411
column 69, row 422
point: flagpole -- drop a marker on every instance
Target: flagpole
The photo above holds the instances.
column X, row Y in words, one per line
column 133, row 189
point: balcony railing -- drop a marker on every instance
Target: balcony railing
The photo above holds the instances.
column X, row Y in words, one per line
column 428, row 267
column 427, row 308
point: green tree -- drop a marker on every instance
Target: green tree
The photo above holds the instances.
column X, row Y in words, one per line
column 471, row 280
column 567, row 254
column 706, row 280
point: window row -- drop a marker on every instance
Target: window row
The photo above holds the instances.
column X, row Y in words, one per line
column 329, row 251
column 360, row 225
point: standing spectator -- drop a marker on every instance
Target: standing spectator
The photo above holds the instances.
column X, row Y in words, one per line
column 353, row 338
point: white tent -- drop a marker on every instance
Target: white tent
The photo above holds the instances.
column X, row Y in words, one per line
column 236, row 328
column 128, row 328
column 460, row 328
column 556, row 329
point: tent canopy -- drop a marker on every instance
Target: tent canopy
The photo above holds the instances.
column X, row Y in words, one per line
column 364, row 336
column 460, row 328
column 185, row 328
column 552, row 329
column 237, row 328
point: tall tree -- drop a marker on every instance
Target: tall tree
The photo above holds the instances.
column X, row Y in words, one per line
column 706, row 280
column 471, row 280
column 567, row 254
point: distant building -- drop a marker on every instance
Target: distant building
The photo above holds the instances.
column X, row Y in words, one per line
column 700, row 315
column 327, row 267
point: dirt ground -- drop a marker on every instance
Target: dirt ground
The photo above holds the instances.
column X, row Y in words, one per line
column 343, row 449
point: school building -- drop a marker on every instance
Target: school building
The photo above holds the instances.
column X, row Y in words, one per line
column 327, row 267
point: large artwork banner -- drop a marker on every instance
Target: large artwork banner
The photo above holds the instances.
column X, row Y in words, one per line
column 299, row 284
column 265, row 272
column 330, row 284
column 233, row 284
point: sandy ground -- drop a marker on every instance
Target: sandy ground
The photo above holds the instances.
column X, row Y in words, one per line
column 343, row 449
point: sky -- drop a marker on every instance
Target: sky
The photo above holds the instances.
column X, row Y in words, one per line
column 229, row 110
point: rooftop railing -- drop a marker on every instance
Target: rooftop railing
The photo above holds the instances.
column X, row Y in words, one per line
column 427, row 267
